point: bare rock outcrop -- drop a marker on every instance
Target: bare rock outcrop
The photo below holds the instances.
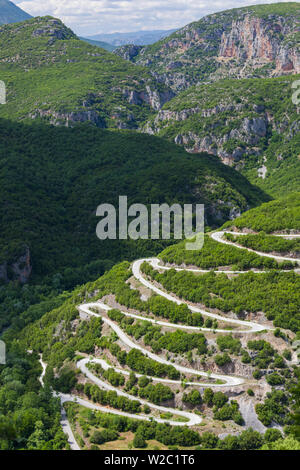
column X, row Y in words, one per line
column 18, row 269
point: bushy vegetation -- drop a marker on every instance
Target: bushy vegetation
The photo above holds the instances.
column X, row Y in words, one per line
column 267, row 243
column 157, row 394
column 274, row 293
column 274, row 409
column 279, row 215
column 218, row 112
column 99, row 437
column 137, row 361
column 177, row 342
column 113, row 377
column 112, row 399
column 222, row 359
column 192, row 398
column 228, row 343
column 214, row 254
column 180, row 342
column 223, row 409
column 264, row 353
column 29, row 416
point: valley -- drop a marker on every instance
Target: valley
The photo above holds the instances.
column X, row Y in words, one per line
column 124, row 344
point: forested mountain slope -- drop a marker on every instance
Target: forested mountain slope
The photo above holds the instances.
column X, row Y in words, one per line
column 53, row 179
column 281, row 215
column 254, row 41
column 55, row 78
column 51, row 75
column 251, row 124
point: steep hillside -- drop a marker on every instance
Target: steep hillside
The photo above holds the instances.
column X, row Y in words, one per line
column 250, row 124
column 53, row 179
column 153, row 356
column 140, row 38
column 53, row 76
column 271, row 232
column 281, row 215
column 259, row 40
column 10, row 13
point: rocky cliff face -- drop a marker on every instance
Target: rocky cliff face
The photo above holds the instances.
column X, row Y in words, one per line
column 69, row 119
column 91, row 111
column 247, row 137
column 18, row 269
column 248, row 133
column 236, row 43
column 53, row 29
column 128, row 52
column 254, row 127
column 154, row 98
column 257, row 42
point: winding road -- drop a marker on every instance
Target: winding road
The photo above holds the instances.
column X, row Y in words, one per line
column 229, row 381
column 88, row 309
column 252, row 327
column 218, row 237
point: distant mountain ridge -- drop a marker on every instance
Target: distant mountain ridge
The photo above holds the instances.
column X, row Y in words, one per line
column 138, row 38
column 104, row 45
column 10, row 13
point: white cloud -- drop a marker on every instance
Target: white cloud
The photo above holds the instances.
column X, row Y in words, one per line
column 88, row 17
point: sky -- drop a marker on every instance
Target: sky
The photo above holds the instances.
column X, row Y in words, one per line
column 88, row 17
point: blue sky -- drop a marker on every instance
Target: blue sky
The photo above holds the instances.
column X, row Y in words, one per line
column 88, row 17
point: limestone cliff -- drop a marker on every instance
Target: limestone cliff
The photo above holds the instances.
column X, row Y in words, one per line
column 256, row 41
column 251, row 124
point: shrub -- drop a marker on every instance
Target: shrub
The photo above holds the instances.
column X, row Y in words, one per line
column 274, row 379
column 193, row 398
column 272, row 435
column 208, row 396
column 228, row 343
column 222, row 359
column 219, row 399
column 257, row 374
column 139, row 441
column 287, row 354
